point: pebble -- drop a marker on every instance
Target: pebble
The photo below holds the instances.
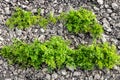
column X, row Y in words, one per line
column 97, row 77
column 7, row 11
column 106, row 25
column 1, row 38
column 96, row 8
column 100, row 2
column 48, row 77
column 114, row 6
column 1, row 62
column 76, row 73
column 54, row 76
column 109, row 11
column 34, row 11
column 64, row 72
column 42, row 30
column 7, row 0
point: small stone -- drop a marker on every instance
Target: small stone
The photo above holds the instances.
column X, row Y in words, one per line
column 114, row 6
column 34, row 11
column 96, row 8
column 41, row 1
column 0, row 31
column 18, row 32
column 118, row 78
column 63, row 72
column 106, row 25
column 14, row 1
column 60, row 32
column 7, row 0
column 76, row 73
column 1, row 62
column 104, row 38
column 106, row 6
column 97, row 77
column 54, row 76
column 42, row 30
column 109, row 11
column 23, row 6
column 118, row 35
column 1, row 39
column 8, row 79
column 7, row 11
column 41, row 38
column 42, row 11
column 116, row 68
column 107, row 28
column 100, row 2
column 48, row 77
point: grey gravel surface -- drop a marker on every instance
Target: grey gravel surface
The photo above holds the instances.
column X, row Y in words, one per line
column 108, row 14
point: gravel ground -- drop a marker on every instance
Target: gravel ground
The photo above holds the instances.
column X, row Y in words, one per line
column 108, row 14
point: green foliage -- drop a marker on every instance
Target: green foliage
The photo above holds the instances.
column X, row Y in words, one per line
column 24, row 54
column 82, row 20
column 56, row 53
column 96, row 55
column 21, row 19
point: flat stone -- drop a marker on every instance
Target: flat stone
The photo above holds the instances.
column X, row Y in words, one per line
column 106, row 6
column 18, row 32
column 64, row 72
column 100, row 2
column 34, row 11
column 8, row 79
column 48, row 77
column 7, row 11
column 7, row 0
column 76, row 73
column 96, row 8
column 114, row 6
column 109, row 11
column 1, row 62
column 104, row 38
column 42, row 30
column 106, row 25
column 1, row 39
column 54, row 76
column 97, row 77
column 41, row 38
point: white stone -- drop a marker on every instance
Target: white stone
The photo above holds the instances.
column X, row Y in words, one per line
column 76, row 73
column 42, row 30
column 1, row 39
column 100, row 1
column 41, row 38
column 63, row 72
column 47, row 76
column 8, row 79
column 114, row 6
column 1, row 62
column 106, row 25
column 7, row 11
column 104, row 38
column 54, row 76
column 97, row 76
column 7, row 0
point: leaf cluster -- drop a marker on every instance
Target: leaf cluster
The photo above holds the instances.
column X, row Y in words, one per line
column 82, row 20
column 96, row 56
column 56, row 53
column 21, row 19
